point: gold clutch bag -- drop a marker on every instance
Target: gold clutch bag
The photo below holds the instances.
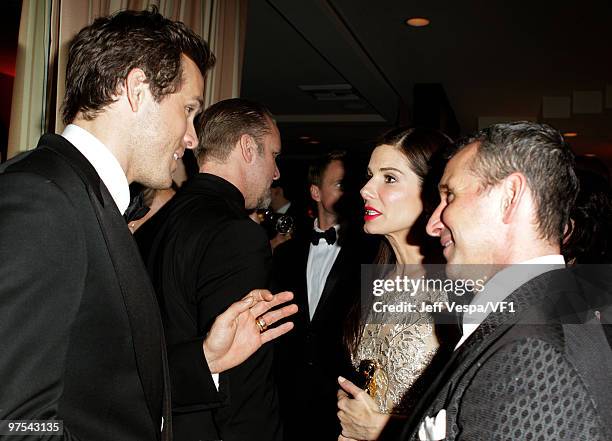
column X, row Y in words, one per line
column 371, row 373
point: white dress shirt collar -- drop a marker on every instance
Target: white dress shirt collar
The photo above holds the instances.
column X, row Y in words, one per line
column 103, row 161
column 505, row 283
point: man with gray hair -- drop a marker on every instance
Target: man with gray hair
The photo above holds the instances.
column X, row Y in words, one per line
column 203, row 253
column 538, row 366
column 535, row 371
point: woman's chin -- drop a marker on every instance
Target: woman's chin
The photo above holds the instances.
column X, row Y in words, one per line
column 371, row 229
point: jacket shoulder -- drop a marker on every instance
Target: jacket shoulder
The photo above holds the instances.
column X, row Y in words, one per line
column 44, row 163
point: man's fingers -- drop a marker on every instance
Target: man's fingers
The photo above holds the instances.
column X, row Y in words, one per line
column 272, row 317
column 262, row 306
column 341, row 416
column 345, row 420
column 260, row 295
column 341, row 394
column 253, row 298
column 349, row 387
column 273, row 333
column 235, row 309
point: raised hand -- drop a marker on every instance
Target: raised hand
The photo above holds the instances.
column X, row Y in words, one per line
column 235, row 335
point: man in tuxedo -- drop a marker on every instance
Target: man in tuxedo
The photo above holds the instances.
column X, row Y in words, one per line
column 203, row 252
column 322, row 269
column 536, row 371
column 80, row 335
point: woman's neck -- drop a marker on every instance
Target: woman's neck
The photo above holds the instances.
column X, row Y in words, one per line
column 405, row 254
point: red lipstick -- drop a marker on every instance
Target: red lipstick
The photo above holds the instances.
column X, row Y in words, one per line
column 370, row 213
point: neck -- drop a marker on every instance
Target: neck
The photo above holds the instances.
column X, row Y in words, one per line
column 528, row 252
column 326, row 220
column 112, row 139
column 525, row 244
column 230, row 174
column 159, row 200
column 404, row 253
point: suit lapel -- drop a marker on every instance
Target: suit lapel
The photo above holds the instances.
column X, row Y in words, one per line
column 136, row 289
column 302, row 256
column 139, row 302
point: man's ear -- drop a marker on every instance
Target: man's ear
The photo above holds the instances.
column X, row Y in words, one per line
column 568, row 230
column 514, row 188
column 135, row 88
column 315, row 193
column 248, row 147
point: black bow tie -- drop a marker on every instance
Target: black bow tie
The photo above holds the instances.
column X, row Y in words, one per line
column 329, row 235
column 137, row 209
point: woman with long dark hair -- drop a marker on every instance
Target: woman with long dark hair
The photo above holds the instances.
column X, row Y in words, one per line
column 401, row 191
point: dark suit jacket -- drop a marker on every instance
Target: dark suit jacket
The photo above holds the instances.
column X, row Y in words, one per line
column 540, row 373
column 309, row 359
column 204, row 253
column 80, row 332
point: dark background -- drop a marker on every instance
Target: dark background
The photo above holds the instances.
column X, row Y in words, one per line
column 478, row 61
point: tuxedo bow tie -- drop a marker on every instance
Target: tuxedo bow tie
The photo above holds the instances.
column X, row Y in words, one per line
column 137, row 209
column 329, row 235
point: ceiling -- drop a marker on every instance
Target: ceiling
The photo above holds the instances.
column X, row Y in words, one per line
column 492, row 60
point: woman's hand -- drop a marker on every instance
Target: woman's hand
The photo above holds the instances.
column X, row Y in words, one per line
column 358, row 413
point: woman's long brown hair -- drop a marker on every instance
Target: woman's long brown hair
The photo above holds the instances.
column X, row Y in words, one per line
column 427, row 151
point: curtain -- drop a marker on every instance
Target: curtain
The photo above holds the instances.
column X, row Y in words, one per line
column 29, row 87
column 48, row 26
column 225, row 32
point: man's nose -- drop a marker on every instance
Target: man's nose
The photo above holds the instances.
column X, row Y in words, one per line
column 191, row 138
column 434, row 224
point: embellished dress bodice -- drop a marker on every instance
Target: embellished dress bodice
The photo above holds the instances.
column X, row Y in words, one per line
column 399, row 350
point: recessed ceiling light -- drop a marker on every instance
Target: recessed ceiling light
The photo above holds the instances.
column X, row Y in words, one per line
column 313, row 141
column 570, row 134
column 417, row 22
column 304, row 138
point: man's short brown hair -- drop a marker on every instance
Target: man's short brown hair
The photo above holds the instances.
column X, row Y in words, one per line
column 222, row 124
column 103, row 53
column 318, row 167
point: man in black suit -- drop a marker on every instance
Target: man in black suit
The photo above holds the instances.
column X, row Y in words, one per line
column 534, row 369
column 203, row 252
column 322, row 269
column 80, row 335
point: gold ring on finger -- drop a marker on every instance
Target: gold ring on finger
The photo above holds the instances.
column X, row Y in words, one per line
column 261, row 323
